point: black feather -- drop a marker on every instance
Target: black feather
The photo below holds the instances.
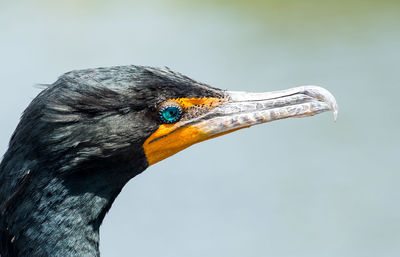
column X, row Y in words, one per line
column 76, row 146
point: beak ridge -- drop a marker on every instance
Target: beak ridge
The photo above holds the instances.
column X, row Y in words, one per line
column 244, row 109
column 314, row 92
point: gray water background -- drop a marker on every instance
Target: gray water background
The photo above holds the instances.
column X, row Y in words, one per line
column 300, row 187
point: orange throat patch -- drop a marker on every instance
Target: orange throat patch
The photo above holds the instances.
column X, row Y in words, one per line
column 170, row 139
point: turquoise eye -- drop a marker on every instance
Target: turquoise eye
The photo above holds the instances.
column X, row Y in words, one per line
column 170, row 114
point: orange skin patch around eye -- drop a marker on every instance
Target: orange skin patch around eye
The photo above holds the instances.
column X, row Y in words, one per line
column 169, row 139
column 206, row 102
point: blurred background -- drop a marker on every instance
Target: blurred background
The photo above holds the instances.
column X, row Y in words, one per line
column 304, row 187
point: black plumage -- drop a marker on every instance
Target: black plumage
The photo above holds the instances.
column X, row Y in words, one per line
column 85, row 136
column 77, row 144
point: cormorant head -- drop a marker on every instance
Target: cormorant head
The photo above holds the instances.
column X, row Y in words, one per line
column 82, row 138
column 138, row 116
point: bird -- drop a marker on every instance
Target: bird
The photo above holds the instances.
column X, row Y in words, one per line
column 86, row 135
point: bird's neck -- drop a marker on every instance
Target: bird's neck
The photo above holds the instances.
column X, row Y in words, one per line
column 60, row 215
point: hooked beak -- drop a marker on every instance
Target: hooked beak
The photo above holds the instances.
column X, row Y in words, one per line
column 235, row 111
column 244, row 109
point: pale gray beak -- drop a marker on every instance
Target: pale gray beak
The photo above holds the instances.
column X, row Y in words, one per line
column 237, row 110
column 243, row 109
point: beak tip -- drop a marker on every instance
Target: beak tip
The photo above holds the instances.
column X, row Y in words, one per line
column 335, row 109
column 323, row 95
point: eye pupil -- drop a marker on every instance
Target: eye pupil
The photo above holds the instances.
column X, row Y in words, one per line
column 170, row 114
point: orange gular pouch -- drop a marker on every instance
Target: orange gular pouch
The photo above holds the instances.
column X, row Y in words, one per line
column 173, row 137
